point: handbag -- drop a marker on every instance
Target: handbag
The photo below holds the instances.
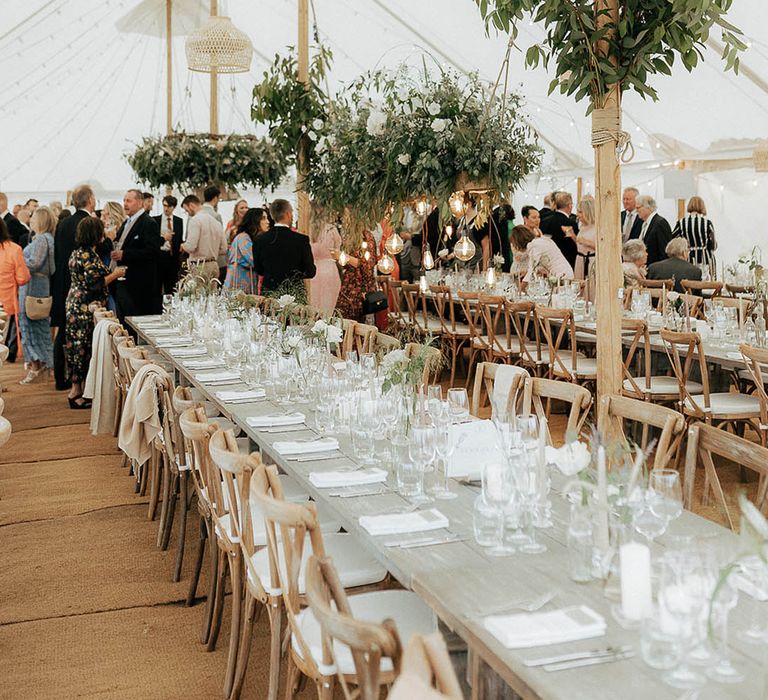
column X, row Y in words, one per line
column 38, row 308
column 373, row 302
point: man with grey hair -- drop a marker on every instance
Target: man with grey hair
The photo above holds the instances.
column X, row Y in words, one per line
column 676, row 267
column 561, row 228
column 655, row 231
column 631, row 223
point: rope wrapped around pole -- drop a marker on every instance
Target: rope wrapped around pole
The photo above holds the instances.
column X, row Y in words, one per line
column 606, row 128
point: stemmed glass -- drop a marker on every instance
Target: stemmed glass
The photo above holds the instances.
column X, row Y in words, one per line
column 668, row 500
column 459, row 402
column 646, row 518
column 498, row 487
column 723, row 601
column 444, row 447
column 755, row 571
column 422, row 452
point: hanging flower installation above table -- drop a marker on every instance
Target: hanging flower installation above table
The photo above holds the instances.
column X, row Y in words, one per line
column 399, row 137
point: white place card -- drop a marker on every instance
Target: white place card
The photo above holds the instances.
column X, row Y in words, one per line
column 475, row 443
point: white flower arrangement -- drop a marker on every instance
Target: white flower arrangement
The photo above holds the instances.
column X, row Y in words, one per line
column 376, row 123
column 433, row 108
column 571, row 458
column 318, row 124
column 327, row 332
column 404, row 158
column 498, row 260
column 439, row 125
column 285, row 300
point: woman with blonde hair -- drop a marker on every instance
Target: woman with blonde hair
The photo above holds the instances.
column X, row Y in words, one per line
column 241, row 206
column 112, row 216
column 358, row 267
column 698, row 230
column 36, row 333
column 585, row 241
column 325, row 239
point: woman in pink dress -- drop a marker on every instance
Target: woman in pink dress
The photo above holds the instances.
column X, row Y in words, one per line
column 325, row 285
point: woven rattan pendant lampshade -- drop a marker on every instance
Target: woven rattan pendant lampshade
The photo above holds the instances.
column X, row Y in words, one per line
column 219, row 45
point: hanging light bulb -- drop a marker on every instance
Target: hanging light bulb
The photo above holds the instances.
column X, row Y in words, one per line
column 428, row 262
column 367, row 255
column 394, row 244
column 464, row 249
column 386, row 264
column 343, row 258
column 456, row 202
column 490, row 276
column 421, row 207
column 448, row 231
column 423, row 284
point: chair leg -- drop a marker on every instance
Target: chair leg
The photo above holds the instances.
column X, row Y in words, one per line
column 292, row 679
column 325, row 686
column 170, row 515
column 210, row 602
column 275, row 612
column 218, row 604
column 166, row 482
column 202, row 537
column 236, row 577
column 182, row 527
column 244, row 647
column 154, row 485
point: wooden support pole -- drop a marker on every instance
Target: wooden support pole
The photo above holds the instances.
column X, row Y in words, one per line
column 680, row 208
column 579, row 189
column 214, row 82
column 302, row 164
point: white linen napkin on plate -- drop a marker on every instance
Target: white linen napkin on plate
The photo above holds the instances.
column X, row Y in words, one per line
column 294, row 447
column 403, row 523
column 240, row 396
column 189, row 352
column 174, row 342
column 336, row 478
column 225, row 375
column 276, row 419
column 207, row 363
column 523, row 630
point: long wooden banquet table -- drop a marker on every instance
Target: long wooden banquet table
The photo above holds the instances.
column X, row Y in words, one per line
column 459, row 581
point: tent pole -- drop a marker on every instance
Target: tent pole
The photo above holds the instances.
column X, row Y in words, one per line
column 680, row 208
column 302, row 156
column 579, row 189
column 169, row 67
column 214, row 82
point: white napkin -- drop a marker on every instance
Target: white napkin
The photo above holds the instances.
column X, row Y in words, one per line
column 224, row 375
column 330, row 479
column 569, row 459
column 293, row 447
column 276, row 419
column 735, row 356
column 155, row 326
column 189, row 352
column 240, row 396
column 524, row 630
column 403, row 523
column 174, row 342
column 502, row 384
column 207, row 363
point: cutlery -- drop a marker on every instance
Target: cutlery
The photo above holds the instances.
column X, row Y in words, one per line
column 314, row 458
column 285, row 429
column 575, row 656
column 358, row 494
column 430, row 542
column 619, row 656
column 530, row 605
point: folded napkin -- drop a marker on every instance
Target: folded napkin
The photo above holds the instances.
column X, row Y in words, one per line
column 524, row 630
column 174, row 342
column 294, row 447
column 570, row 459
column 240, row 396
column 208, row 363
column 155, row 326
column 324, row 480
column 225, row 375
column 276, row 419
column 189, row 352
column 735, row 356
column 403, row 523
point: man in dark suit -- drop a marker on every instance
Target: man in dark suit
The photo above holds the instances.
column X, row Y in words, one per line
column 655, row 231
column 561, row 228
column 675, row 267
column 172, row 232
column 137, row 246
column 16, row 229
column 84, row 201
column 549, row 202
column 282, row 254
column 631, row 223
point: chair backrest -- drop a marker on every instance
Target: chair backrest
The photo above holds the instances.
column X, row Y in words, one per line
column 682, row 366
column 559, row 331
column 444, row 305
column 734, row 289
column 413, row 301
column 395, row 288
column 470, row 307
column 704, row 441
column 485, row 378
column 369, row 642
column 433, row 364
column 197, row 431
column 744, row 306
column 693, row 286
column 363, row 338
column 426, row 671
column 655, row 284
column 523, row 322
column 383, row 343
column 641, row 341
column 497, row 325
column 347, row 343
column 757, row 364
column 578, row 397
column 618, row 409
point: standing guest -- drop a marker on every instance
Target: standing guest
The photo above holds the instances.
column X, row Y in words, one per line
column 90, row 278
column 172, row 232
column 561, row 228
column 698, row 230
column 24, row 216
column 112, row 216
column 84, row 202
column 635, row 257
column 56, row 208
column 631, row 223
column 325, row 239
column 15, row 228
column 538, row 256
column 241, row 206
column 548, row 209
column 137, row 247
column 211, row 196
column 205, row 236
column 31, row 205
column 282, row 254
column 39, row 257
column 586, row 242
column 655, row 232
column 64, row 214
column 496, row 233
column 148, row 201
column 240, row 273
column 675, row 266
column 359, row 277
column 531, row 219
column 13, row 274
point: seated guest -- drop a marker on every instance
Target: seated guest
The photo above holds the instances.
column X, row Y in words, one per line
column 635, row 257
column 539, row 255
column 561, row 228
column 531, row 219
column 282, row 254
column 676, row 267
column 655, row 231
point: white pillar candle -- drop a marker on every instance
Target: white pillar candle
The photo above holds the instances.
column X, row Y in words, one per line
column 635, row 562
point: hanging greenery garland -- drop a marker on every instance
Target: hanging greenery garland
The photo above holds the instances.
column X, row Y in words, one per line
column 191, row 161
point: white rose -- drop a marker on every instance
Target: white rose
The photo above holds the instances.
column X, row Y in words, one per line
column 404, row 158
column 285, row 300
column 333, row 334
column 403, row 93
column 376, row 122
column 438, row 125
column 673, row 297
column 320, row 326
column 433, row 108
column 570, row 459
column 312, row 135
column 318, row 124
column 499, row 154
column 393, row 358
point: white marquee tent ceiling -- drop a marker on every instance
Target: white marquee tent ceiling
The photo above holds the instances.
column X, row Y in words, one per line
column 82, row 80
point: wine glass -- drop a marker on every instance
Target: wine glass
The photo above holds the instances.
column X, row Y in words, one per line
column 459, row 401
column 754, row 571
column 444, row 446
column 645, row 519
column 668, row 500
column 422, row 452
column 498, row 486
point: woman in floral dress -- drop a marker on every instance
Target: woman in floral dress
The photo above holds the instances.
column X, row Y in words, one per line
column 240, row 273
column 90, row 278
column 359, row 278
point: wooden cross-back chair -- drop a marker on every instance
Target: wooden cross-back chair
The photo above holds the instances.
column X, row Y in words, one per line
column 118, row 336
column 397, row 315
column 485, row 379
column 708, row 289
column 426, row 671
column 645, row 283
column 347, row 343
column 433, row 365
column 424, row 322
column 618, row 409
column 522, row 320
column 704, row 442
column 478, row 342
column 455, row 334
column 504, row 345
column 733, row 290
column 579, row 399
column 383, row 343
column 363, row 338
column 565, row 361
column 757, row 367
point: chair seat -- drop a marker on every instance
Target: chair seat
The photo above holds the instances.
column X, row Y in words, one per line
column 461, row 330
column 585, row 366
column 663, row 385
column 409, row 613
column 727, row 404
column 433, row 324
column 355, row 566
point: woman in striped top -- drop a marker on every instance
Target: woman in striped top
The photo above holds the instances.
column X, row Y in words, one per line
column 697, row 229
